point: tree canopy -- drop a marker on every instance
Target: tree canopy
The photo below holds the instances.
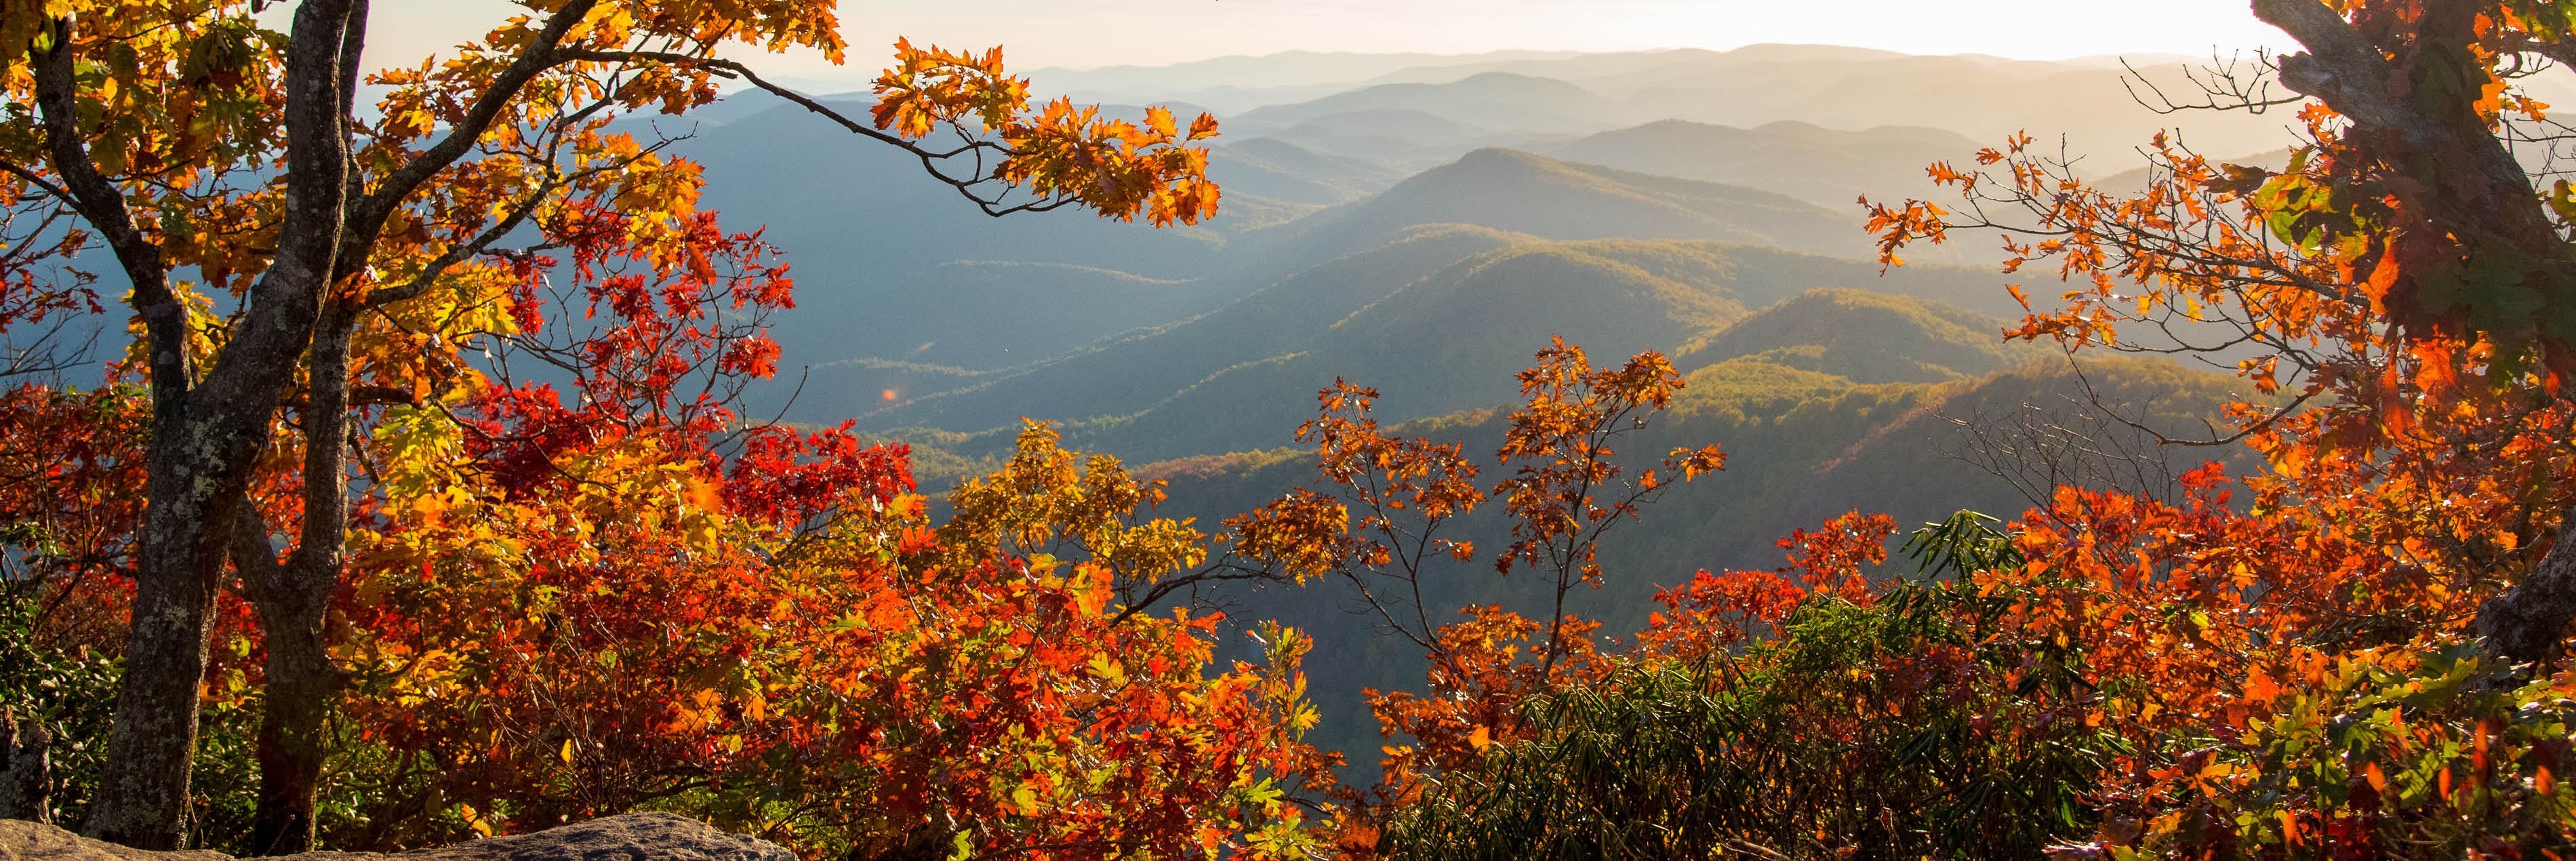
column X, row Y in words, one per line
column 307, row 272
column 424, row 501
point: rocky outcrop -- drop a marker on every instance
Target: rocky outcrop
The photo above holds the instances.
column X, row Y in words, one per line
column 632, row 837
column 26, row 776
column 21, row 840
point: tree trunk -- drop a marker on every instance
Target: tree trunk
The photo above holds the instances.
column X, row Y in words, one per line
column 143, row 791
column 2485, row 203
column 26, row 773
column 2528, row 623
column 294, row 602
column 294, row 599
column 206, row 439
column 302, row 686
column 144, row 805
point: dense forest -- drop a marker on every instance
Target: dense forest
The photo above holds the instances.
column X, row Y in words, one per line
column 1787, row 452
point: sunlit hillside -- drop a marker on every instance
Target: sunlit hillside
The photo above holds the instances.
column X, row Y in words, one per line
column 1286, row 431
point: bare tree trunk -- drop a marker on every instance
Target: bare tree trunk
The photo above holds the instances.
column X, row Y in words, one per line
column 2528, row 623
column 294, row 602
column 207, row 435
column 26, row 773
column 206, row 439
column 2485, row 200
column 143, row 792
column 166, row 657
column 302, row 687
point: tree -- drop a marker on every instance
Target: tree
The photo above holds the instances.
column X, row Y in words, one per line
column 184, row 137
column 1804, row 712
column 566, row 606
column 2393, row 595
column 2407, row 270
column 1391, row 519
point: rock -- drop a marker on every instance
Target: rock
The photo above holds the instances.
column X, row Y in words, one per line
column 26, row 777
column 31, row 841
column 631, row 837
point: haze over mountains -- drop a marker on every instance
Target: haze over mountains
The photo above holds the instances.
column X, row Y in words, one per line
column 1423, row 224
column 1539, row 94
column 905, row 289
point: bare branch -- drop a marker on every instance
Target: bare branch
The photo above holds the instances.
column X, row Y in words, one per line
column 99, row 202
column 369, row 215
column 930, row 159
column 2341, row 66
column 32, row 178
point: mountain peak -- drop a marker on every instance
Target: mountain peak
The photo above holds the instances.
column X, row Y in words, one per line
column 1492, row 157
column 1866, row 337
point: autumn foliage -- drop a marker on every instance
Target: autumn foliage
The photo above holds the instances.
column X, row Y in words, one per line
column 2357, row 651
column 576, row 598
column 568, row 577
column 467, row 507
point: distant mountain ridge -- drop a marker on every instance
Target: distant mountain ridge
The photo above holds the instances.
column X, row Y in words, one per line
column 1445, row 335
column 1866, row 337
column 1802, row 160
column 919, row 313
column 1283, row 69
column 1983, row 98
column 1424, row 231
column 1495, row 100
column 1528, row 193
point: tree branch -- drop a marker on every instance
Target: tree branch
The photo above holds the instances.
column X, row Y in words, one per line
column 254, row 557
column 32, row 178
column 98, row 200
column 2341, row 67
column 369, row 215
column 930, row 158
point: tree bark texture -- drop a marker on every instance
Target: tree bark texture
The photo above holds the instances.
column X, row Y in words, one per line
column 2490, row 208
column 294, row 603
column 205, row 441
column 2528, row 623
column 26, row 770
column 209, row 430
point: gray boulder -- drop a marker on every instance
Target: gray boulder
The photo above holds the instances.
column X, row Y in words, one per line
column 26, row 777
column 631, row 837
column 21, row 840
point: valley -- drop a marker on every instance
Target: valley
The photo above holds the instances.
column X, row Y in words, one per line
column 1423, row 232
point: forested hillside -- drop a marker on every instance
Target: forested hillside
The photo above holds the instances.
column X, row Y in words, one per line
column 1792, row 451
column 1430, row 303
column 1803, row 447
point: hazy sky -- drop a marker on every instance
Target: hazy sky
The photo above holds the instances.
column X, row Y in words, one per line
column 1088, row 33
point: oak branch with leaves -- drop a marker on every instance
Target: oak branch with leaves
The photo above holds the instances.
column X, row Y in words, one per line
column 184, row 136
column 2406, row 281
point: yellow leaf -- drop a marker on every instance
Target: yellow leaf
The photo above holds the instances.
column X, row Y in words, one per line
column 704, row 494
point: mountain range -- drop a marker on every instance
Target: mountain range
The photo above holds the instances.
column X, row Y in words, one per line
column 1422, row 225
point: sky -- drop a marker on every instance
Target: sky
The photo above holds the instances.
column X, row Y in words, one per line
column 1093, row 33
